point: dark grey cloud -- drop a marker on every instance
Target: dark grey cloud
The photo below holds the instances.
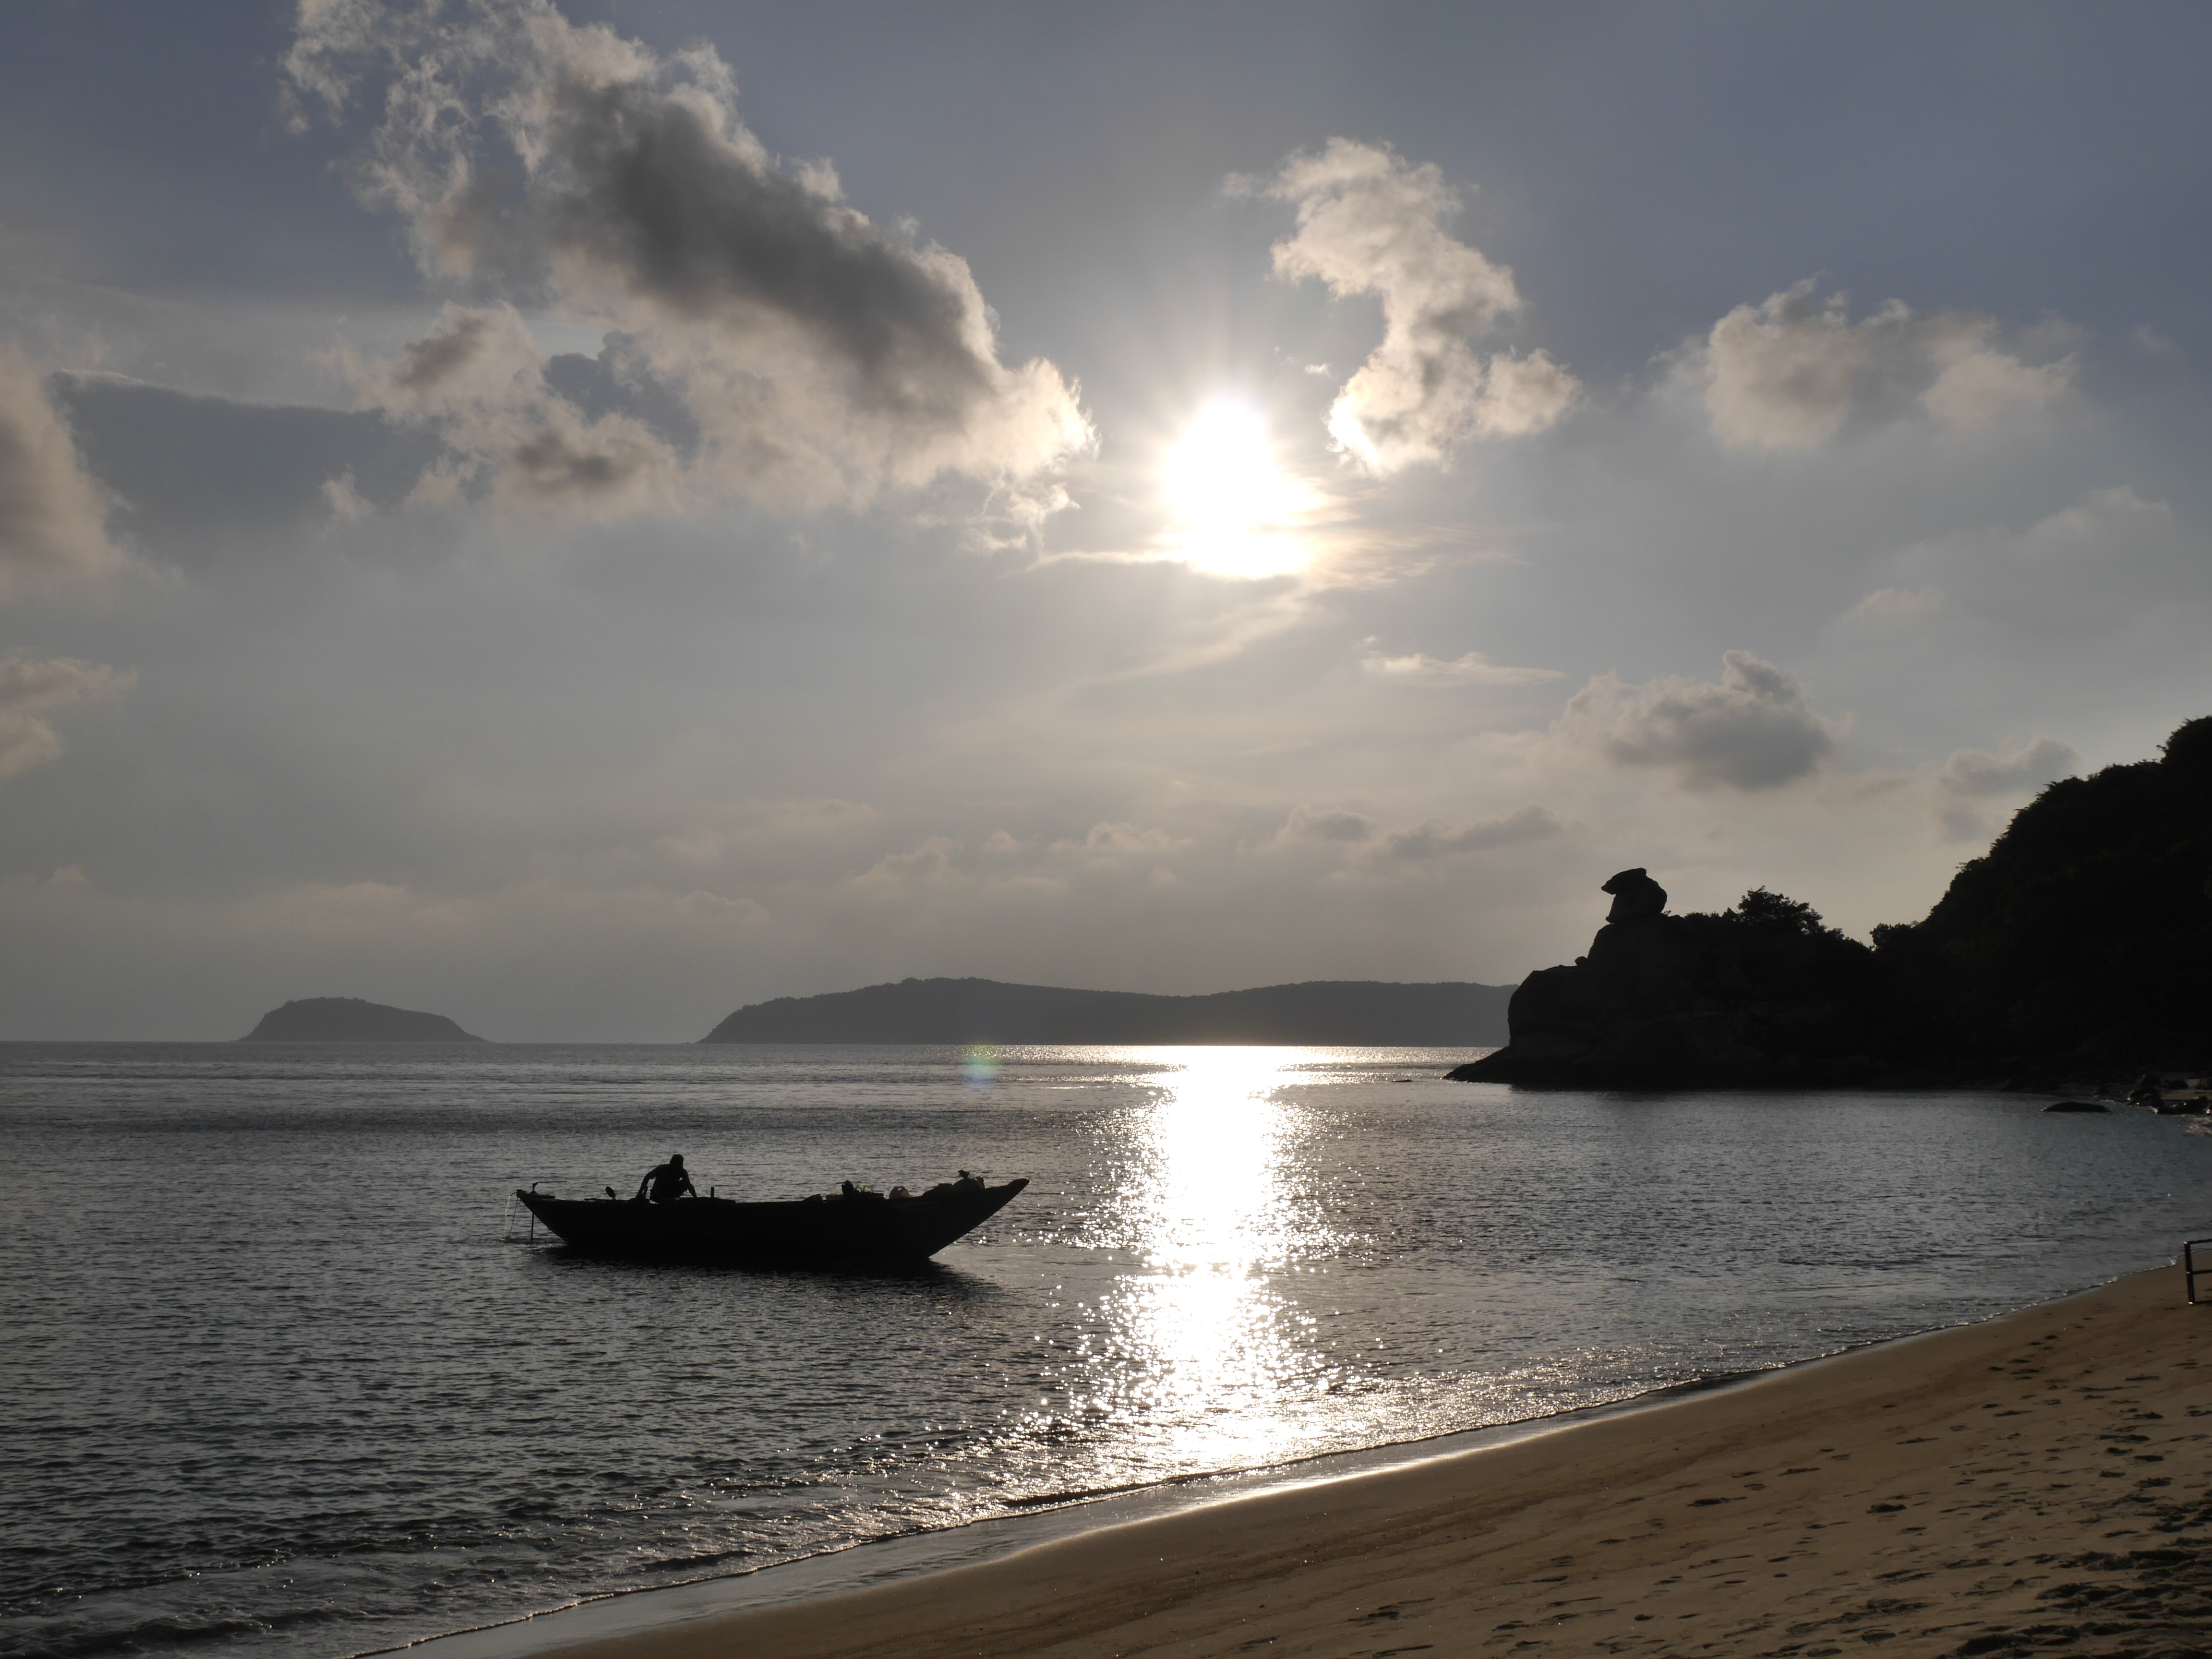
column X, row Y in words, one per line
column 655, row 193
column 430, row 362
column 817, row 357
column 1754, row 729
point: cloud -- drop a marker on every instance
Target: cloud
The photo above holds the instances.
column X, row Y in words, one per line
column 190, row 473
column 1334, row 826
column 1473, row 669
column 1789, row 373
column 31, row 687
column 53, row 521
column 2016, row 767
column 1895, row 607
column 1754, row 730
column 1973, row 780
column 806, row 356
column 2110, row 564
column 1369, row 223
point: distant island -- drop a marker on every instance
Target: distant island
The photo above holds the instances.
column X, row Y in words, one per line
column 1330, row 1013
column 349, row 1019
column 2076, row 951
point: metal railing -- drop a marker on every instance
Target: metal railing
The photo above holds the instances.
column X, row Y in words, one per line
column 2190, row 1272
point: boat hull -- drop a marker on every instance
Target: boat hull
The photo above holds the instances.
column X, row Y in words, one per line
column 863, row 1230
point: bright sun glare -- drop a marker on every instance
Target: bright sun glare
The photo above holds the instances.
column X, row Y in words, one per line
column 1237, row 510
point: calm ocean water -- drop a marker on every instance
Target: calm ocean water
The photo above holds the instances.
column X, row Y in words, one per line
column 283, row 1376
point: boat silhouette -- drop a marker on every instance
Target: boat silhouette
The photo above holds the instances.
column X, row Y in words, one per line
column 853, row 1228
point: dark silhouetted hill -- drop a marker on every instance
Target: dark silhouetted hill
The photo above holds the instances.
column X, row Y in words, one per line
column 349, row 1019
column 2084, row 934
column 1350, row 1013
column 2079, row 947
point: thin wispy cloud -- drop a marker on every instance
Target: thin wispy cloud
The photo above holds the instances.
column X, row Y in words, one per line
column 1471, row 668
column 32, row 688
column 1895, row 607
column 1375, row 843
column 53, row 522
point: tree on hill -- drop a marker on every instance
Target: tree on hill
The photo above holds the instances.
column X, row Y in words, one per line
column 1774, row 911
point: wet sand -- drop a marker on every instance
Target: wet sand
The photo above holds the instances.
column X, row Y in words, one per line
column 2040, row 1481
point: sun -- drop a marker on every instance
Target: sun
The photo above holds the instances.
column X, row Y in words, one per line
column 1237, row 510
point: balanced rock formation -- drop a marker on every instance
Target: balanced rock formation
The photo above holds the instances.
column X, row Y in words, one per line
column 1635, row 896
column 350, row 1019
column 1760, row 995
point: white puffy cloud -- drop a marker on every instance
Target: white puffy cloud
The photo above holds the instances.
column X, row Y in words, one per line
column 1368, row 222
column 1417, row 668
column 53, row 521
column 1754, row 729
column 765, row 339
column 1789, row 373
column 33, row 687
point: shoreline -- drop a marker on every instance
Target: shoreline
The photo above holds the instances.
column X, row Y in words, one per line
column 897, row 1558
column 1020, row 1584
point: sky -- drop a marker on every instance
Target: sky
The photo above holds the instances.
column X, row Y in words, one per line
column 582, row 517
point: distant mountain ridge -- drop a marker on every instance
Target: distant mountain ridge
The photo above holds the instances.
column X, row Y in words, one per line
column 1332, row 1013
column 350, row 1019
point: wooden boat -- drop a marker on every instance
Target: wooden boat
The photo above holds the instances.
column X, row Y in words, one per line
column 857, row 1229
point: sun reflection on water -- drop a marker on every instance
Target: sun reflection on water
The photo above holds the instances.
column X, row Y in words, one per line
column 1213, row 1218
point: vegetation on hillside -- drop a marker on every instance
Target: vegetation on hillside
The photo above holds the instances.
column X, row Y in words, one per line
column 2085, row 932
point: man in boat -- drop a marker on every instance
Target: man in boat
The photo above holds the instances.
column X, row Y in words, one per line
column 666, row 1182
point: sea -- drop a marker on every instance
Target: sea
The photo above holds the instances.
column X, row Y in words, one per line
column 287, row 1370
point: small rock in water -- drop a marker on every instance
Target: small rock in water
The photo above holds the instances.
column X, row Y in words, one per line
column 2076, row 1106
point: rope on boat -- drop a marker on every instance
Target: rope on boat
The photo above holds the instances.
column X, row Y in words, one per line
column 507, row 1222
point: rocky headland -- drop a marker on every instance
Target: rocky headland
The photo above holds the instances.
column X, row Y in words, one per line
column 350, row 1019
column 1762, row 993
column 2076, row 956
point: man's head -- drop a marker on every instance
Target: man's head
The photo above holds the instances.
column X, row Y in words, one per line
column 676, row 1160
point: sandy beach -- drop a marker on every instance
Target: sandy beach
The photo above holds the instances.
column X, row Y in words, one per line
column 2042, row 1480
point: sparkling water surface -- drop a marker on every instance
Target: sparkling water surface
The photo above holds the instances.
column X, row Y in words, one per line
column 285, row 1374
